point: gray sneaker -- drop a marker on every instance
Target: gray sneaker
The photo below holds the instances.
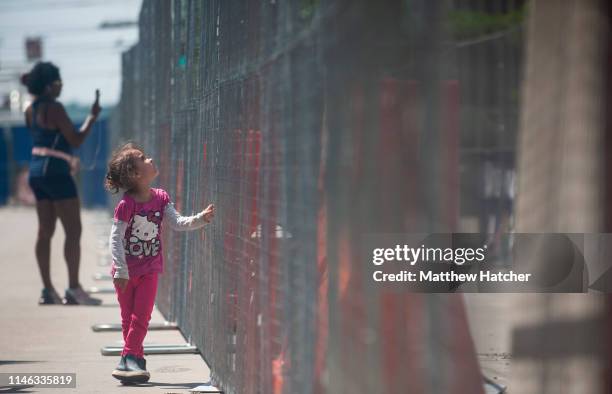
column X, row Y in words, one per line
column 78, row 296
column 121, row 365
column 132, row 371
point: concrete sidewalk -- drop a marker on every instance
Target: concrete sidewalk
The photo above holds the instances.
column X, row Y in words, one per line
column 59, row 339
column 490, row 321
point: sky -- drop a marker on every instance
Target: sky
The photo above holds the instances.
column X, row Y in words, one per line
column 88, row 57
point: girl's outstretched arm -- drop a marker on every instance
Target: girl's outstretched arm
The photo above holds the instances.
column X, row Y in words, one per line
column 185, row 223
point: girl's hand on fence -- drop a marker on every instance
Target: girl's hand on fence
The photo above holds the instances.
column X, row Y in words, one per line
column 120, row 283
column 209, row 213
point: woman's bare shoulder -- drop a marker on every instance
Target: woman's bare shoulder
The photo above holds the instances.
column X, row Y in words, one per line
column 54, row 106
column 47, row 113
column 55, row 111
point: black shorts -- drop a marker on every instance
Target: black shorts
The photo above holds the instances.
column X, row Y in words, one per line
column 54, row 187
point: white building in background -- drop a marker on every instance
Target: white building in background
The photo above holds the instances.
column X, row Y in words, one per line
column 14, row 96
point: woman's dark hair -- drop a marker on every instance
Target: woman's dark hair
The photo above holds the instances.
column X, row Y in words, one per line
column 41, row 75
column 122, row 168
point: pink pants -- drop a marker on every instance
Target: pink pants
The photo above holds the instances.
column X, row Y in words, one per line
column 136, row 303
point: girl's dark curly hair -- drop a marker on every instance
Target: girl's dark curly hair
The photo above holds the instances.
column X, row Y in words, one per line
column 42, row 75
column 122, row 168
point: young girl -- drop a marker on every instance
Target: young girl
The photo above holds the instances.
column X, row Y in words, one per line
column 136, row 249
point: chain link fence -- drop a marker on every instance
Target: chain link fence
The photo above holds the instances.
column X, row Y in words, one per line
column 310, row 123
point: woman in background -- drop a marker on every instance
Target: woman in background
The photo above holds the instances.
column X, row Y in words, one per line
column 51, row 169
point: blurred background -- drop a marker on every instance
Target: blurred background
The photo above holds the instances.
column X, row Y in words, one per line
column 85, row 40
column 310, row 123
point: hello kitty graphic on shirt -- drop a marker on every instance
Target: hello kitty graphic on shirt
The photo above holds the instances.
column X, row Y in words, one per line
column 144, row 238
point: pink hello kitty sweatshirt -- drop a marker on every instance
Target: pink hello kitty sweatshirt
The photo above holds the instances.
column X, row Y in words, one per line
column 135, row 239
